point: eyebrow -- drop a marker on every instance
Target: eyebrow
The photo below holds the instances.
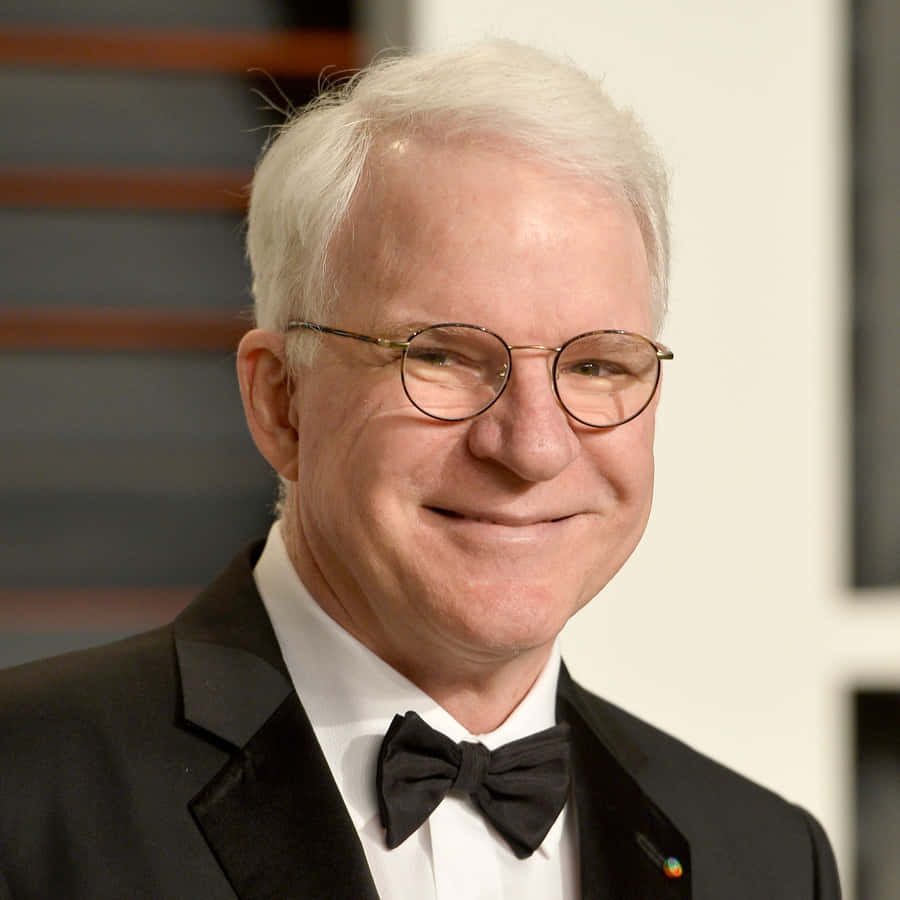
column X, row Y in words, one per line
column 400, row 330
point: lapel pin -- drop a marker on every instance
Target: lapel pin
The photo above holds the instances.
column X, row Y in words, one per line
column 671, row 865
column 672, row 868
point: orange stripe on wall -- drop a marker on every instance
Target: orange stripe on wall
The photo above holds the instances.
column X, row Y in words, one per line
column 117, row 329
column 202, row 190
column 296, row 53
column 89, row 608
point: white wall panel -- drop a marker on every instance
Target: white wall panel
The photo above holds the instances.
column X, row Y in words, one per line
column 730, row 626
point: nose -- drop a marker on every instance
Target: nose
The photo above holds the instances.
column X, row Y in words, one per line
column 526, row 430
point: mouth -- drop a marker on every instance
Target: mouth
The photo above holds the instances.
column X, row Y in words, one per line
column 494, row 519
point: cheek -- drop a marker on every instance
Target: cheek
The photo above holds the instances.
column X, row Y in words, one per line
column 640, row 475
column 365, row 461
column 623, row 460
column 326, row 471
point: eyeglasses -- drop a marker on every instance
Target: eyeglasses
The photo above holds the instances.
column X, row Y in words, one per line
column 453, row 371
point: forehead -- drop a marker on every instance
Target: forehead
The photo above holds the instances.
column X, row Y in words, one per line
column 460, row 232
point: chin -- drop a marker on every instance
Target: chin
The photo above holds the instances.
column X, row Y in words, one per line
column 508, row 619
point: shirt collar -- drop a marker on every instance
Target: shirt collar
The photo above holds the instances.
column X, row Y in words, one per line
column 351, row 695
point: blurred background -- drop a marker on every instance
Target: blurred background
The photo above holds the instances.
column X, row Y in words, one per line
column 760, row 617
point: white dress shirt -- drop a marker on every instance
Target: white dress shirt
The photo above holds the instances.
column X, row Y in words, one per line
column 351, row 696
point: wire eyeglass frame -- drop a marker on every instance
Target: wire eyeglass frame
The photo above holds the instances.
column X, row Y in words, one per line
column 661, row 352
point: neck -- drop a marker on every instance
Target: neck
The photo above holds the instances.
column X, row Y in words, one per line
column 482, row 696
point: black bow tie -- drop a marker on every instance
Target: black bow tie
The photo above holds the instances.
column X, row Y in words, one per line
column 520, row 787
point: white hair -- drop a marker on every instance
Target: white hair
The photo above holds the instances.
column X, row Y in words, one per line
column 550, row 111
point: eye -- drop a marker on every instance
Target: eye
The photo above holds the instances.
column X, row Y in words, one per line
column 594, row 368
column 436, row 356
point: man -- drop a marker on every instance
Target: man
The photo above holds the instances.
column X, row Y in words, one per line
column 460, row 272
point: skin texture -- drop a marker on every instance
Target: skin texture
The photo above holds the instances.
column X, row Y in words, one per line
column 457, row 551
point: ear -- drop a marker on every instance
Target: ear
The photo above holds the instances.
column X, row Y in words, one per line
column 266, row 394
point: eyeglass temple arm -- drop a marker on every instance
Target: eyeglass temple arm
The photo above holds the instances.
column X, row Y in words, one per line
column 662, row 351
column 322, row 329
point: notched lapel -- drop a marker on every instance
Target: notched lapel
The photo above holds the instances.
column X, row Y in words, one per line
column 272, row 816
column 275, row 820
column 624, row 838
column 227, row 691
column 230, row 667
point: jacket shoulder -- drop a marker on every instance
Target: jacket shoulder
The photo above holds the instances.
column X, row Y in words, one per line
column 88, row 685
column 737, row 828
column 97, row 769
column 648, row 752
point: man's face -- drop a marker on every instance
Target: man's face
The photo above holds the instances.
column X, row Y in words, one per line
column 476, row 540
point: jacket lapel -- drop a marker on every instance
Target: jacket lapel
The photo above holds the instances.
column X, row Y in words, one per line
column 624, row 838
column 276, row 822
column 272, row 816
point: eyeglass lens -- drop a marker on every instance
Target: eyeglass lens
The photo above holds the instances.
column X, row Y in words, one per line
column 602, row 379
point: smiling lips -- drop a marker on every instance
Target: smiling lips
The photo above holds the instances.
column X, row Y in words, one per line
column 492, row 519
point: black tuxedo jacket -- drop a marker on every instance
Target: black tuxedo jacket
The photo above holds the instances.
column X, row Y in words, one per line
column 180, row 765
